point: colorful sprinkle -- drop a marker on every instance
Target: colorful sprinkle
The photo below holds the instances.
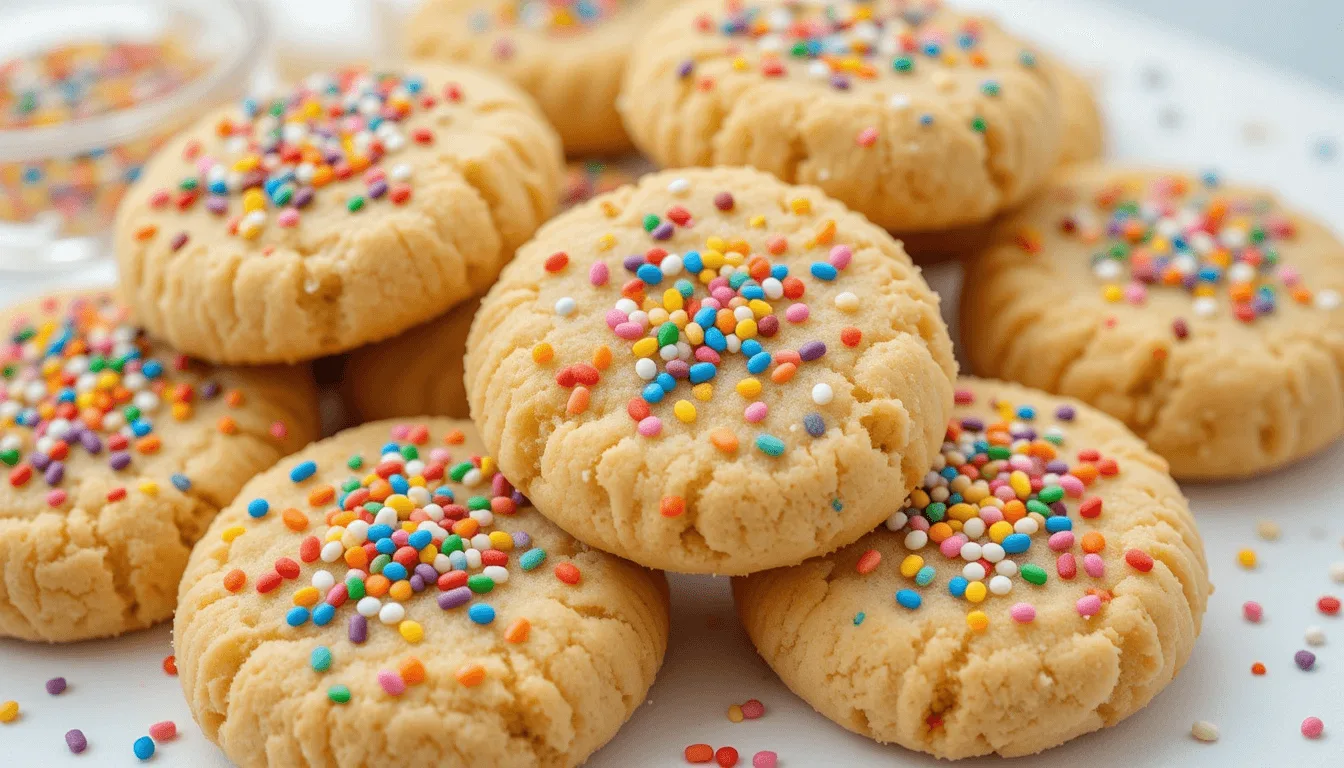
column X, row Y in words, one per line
column 1204, row 731
column 1313, row 727
column 143, row 748
column 76, row 741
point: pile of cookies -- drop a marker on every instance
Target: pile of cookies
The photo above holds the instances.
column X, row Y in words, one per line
column 730, row 367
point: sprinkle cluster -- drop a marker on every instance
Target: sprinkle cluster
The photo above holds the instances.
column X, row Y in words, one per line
column 277, row 156
column 77, row 81
column 1190, row 237
column 994, row 491
column 682, row 315
column 553, row 17
column 81, row 378
column 398, row 530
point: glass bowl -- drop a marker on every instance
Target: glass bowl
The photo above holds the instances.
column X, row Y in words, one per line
column 88, row 90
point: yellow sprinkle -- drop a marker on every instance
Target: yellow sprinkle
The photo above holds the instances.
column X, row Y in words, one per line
column 734, row 258
column 645, row 347
column 9, row 711
column 1000, row 531
column 1112, row 293
column 401, row 591
column 800, row 205
column 713, row 257
column 756, row 222
column 418, row 481
column 606, row 242
column 955, row 525
column 231, row 533
column 703, row 392
column 428, row 554
column 400, row 502
column 911, row 565
column 679, row 318
column 740, row 64
column 694, row 333
column 1246, row 558
column 1268, row 530
column 919, row 498
column 1020, row 483
column 749, row 387
column 685, row 411
column 181, row 411
column 760, row 307
column 411, row 631
column 672, row 299
column 977, row 621
column 746, row 329
column 307, row 597
column 488, row 466
column 542, row 353
column 975, row 591
column 149, row 487
column 501, row 541
column 735, row 713
column 658, row 315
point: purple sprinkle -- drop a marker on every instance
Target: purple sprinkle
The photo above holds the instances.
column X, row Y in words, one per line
column 74, row 739
column 119, row 460
column 663, row 231
column 972, row 424
column 55, row 473
column 426, row 573
column 521, row 540
column 56, row 686
column 179, row 240
column 814, row 424
column 210, row 390
column 1065, row 413
column 519, row 500
column 91, row 443
column 303, row 197
column 686, row 68
column 840, row 83
column 377, row 189
column 1304, row 660
column 454, row 598
column 1057, row 467
column 255, row 178
column 417, row 583
column 679, row 369
column 217, row 205
column 1058, row 508
column 633, row 263
column 811, row 351
column 359, row 629
column 40, row 461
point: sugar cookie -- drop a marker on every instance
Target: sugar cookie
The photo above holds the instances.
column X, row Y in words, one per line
column 384, row 597
column 711, row 371
column 347, row 211
column 116, row 452
column 1046, row 580
column 1206, row 317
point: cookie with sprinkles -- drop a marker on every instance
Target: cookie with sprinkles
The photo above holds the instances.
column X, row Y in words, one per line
column 1205, row 316
column 711, row 371
column 385, row 596
column 346, row 211
column 1045, row 580
column 115, row 454
column 569, row 54
column 919, row 117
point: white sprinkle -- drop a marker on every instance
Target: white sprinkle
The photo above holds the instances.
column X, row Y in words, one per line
column 1107, row 269
column 1268, row 530
column 392, row 613
column 974, row 529
column 1337, row 572
column 1314, row 635
column 846, row 302
column 822, row 394
column 679, row 186
column 970, row 551
column 323, row 580
column 1001, row 585
column 1328, row 299
column 973, row 571
column 1206, row 306
column 915, row 540
column 565, row 306
column 897, row 521
column 1006, row 568
column 899, row 101
column 368, row 607
column 1204, row 731
column 646, row 369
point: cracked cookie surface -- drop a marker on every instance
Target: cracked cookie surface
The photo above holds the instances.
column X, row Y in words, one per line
column 919, row 117
column 344, row 212
column 116, row 454
column 1204, row 315
column 1044, row 581
column 711, row 371
column 385, row 596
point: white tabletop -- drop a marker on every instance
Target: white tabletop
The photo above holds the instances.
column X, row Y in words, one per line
column 1151, row 79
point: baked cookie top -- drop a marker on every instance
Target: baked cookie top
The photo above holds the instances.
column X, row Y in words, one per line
column 1044, row 580
column 281, row 230
column 116, row 452
column 389, row 577
column 1145, row 286
column 711, row 371
column 920, row 117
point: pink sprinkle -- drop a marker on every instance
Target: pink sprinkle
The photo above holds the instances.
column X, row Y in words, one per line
column 951, row 546
column 1088, row 605
column 797, row 313
column 991, row 515
column 400, row 431
column 756, row 411
column 392, row 683
column 441, row 455
column 164, row 731
column 598, row 274
column 1289, row 276
column 841, row 256
column 629, row 331
column 1136, row 293
column 650, row 426
column 1312, row 727
column 764, row 759
column 1023, row 613
column 867, row 137
column 289, row 217
column 1072, row 486
column 278, row 430
column 1065, row 566
column 752, row 709
column 706, row 355
column 1094, row 565
column 723, row 294
column 56, row 498
column 920, row 523
column 615, row 317
column 1253, row 611
column 159, row 198
column 1005, row 493
column 1061, row 541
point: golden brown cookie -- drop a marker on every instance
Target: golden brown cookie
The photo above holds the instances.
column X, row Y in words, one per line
column 1084, row 138
column 921, row 118
column 1205, row 316
column 711, row 371
column 385, row 597
column 569, row 55
column 344, row 212
column 1044, row 581
column 115, row 454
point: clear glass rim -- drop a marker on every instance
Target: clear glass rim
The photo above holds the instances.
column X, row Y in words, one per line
column 126, row 125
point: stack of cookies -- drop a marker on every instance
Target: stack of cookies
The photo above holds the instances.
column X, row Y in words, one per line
column 730, row 367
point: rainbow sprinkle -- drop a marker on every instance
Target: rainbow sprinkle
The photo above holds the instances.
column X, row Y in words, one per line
column 552, row 17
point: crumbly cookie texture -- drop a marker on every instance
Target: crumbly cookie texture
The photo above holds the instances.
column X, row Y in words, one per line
column 353, row 208
column 1046, row 580
column 116, row 453
column 711, row 371
column 1206, row 317
column 1084, row 138
column 416, row 373
column 569, row 55
column 385, row 597
column 919, row 117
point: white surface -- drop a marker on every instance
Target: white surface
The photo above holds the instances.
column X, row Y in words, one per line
column 117, row 689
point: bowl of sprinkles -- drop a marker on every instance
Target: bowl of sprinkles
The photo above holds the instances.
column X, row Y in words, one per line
column 88, row 91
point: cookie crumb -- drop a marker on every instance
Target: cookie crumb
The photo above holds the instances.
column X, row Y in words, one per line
column 1268, row 530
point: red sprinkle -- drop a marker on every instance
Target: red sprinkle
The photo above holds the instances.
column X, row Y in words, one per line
column 1091, row 507
column 699, row 753
column 567, row 572
column 868, row 561
column 557, row 261
column 164, row 731
column 1139, row 560
column 170, row 666
column 1328, row 605
column 726, row 757
column 268, row 581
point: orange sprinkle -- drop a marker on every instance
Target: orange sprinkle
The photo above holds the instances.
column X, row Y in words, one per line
column 412, row 671
column 868, row 561
column 1085, row 472
column 851, row 336
column 724, row 440
column 234, row 580
column 466, row 527
column 227, row 426
column 1014, row 510
column 295, row 520
column 938, row 532
column 1093, row 542
column 357, row 558
column 783, row 373
column 1257, row 668
column 602, row 358
column 321, row 495
column 672, row 506
column 148, row 444
column 567, row 572
column 146, row 232
column 471, row 675
column 234, row 398
column 377, row 585
column 518, row 631
column 456, row 437
column 578, row 401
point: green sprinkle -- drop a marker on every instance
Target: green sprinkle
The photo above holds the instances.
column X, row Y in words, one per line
column 478, row 502
column 130, row 412
column 338, row 694
column 188, row 184
column 935, row 512
column 320, row 660
column 651, row 222
column 460, row 471
column 10, row 457
column 1051, row 493
column 410, row 452
column 1033, row 573
column 1039, row 508
column 379, row 563
column 452, row 544
column 903, row 64
column 667, row 334
column 1027, row 58
column 283, row 195
column 354, row 462
column 355, row 587
column 999, row 452
column 979, row 125
column 990, row 88
column 837, row 505
column 480, row 584
column 350, row 485
column 354, row 203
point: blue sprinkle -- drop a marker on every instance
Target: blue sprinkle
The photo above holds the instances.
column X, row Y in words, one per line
column 390, row 447
column 1058, row 523
column 714, row 339
column 650, row 274
column 320, row 659
column 759, row 362
column 693, row 263
column 957, row 586
column 1016, row 543
column 399, row 484
column 1026, row 413
column 181, row 482
column 385, row 546
column 420, row 539
column 481, row 613
column 702, row 372
column 323, row 614
column 143, row 747
column 653, row 393
column 753, row 292
column 378, row 532
column 837, row 505
column 859, row 617
column 303, row 471
column 141, row 427
column 458, row 559
column 909, row 598
column 925, row 576
column 258, row 507
column 532, row 558
column 394, row 571
column 779, row 271
column 770, row 445
column 751, row 348
column 152, row 369
column 705, row 317
column 823, row 270
column 297, row 616
column 814, row 424
column 666, row 381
